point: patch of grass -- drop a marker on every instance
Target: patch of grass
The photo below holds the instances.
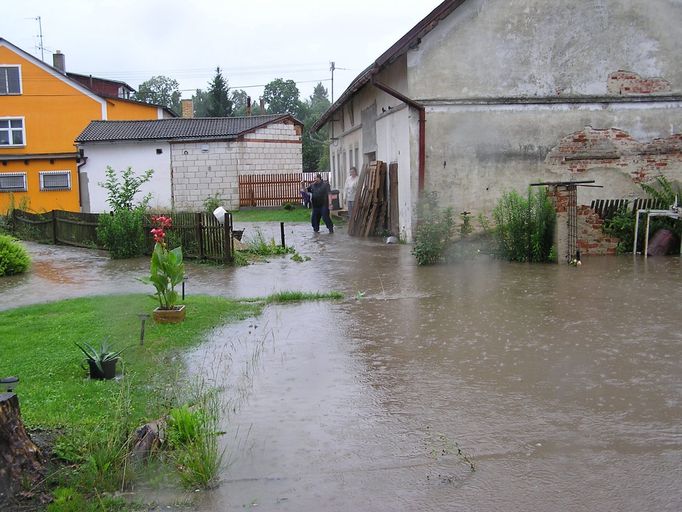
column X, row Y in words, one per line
column 294, row 296
column 296, row 214
column 39, row 347
column 258, row 246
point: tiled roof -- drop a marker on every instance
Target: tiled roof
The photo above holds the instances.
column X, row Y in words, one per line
column 200, row 128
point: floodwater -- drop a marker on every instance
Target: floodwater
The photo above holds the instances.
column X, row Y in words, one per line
column 561, row 385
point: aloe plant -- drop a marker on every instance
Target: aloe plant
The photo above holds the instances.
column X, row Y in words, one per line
column 99, row 355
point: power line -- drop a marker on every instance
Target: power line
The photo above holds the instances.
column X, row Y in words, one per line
column 263, row 85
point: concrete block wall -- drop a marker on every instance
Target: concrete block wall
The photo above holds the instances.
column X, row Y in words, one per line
column 274, row 149
column 203, row 169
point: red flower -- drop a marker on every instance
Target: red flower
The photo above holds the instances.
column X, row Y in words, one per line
column 161, row 223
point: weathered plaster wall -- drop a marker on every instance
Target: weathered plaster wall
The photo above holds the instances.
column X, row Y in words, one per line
column 475, row 153
column 508, row 48
column 140, row 156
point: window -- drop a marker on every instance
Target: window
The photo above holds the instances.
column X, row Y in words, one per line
column 13, row 182
column 357, row 154
column 10, row 80
column 55, row 180
column 12, row 132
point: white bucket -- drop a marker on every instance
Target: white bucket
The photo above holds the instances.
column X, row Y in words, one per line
column 219, row 213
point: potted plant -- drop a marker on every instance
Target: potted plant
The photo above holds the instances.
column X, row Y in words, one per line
column 166, row 272
column 101, row 361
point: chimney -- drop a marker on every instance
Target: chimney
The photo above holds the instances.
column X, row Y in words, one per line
column 59, row 61
column 248, row 105
column 187, row 108
column 262, row 105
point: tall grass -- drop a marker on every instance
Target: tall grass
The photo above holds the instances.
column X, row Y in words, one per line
column 524, row 227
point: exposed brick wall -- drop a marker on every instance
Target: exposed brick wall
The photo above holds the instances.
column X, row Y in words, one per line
column 591, row 239
column 627, row 83
column 613, row 148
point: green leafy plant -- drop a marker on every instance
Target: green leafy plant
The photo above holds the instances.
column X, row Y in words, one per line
column 465, row 229
column 212, row 202
column 524, row 228
column 14, row 258
column 434, row 230
column 99, row 355
column 259, row 246
column 122, row 232
column 167, row 269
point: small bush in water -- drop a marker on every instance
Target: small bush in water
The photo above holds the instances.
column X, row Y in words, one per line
column 13, row 256
column 434, row 230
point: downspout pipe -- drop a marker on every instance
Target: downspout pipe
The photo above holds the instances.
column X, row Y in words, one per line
column 422, row 127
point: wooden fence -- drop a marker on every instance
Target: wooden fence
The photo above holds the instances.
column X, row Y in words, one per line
column 273, row 189
column 607, row 208
column 200, row 234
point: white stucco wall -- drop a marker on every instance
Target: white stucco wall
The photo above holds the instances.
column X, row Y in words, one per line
column 498, row 48
column 140, row 156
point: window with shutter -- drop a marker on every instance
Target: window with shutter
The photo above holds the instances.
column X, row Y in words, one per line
column 13, row 182
column 55, row 180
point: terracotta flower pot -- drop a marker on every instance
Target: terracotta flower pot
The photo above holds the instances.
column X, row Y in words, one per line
column 169, row 316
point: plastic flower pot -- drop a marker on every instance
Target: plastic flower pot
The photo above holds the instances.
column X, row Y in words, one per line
column 108, row 369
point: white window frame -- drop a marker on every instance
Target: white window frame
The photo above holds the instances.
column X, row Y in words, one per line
column 56, row 189
column 10, row 129
column 14, row 174
column 18, row 67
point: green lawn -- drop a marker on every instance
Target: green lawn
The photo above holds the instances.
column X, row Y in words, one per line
column 54, row 391
column 298, row 214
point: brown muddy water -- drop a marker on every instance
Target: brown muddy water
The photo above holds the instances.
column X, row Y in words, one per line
column 562, row 385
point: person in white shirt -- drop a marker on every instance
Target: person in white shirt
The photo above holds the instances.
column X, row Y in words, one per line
column 350, row 189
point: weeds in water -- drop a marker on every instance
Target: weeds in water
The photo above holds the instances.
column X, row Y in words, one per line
column 298, row 258
column 442, row 446
column 260, row 247
column 359, row 295
column 295, row 296
column 193, row 437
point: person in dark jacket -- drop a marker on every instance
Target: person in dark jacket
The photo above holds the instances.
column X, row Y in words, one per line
column 320, row 191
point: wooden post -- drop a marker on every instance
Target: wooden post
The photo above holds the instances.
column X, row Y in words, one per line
column 54, row 227
column 281, row 230
column 228, row 257
column 199, row 234
column 21, row 462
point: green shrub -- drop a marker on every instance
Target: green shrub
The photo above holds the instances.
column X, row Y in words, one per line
column 524, row 228
column 122, row 233
column 434, row 230
column 212, row 202
column 13, row 256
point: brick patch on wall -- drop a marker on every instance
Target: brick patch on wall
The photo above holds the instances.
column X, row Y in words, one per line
column 613, row 148
column 591, row 239
column 627, row 83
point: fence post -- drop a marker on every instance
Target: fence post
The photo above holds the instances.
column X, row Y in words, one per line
column 200, row 234
column 54, row 227
column 227, row 239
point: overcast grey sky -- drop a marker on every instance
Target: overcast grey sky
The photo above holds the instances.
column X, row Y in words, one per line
column 253, row 41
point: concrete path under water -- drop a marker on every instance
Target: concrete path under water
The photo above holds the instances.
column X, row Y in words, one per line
column 561, row 385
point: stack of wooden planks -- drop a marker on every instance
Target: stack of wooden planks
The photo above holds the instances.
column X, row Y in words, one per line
column 375, row 212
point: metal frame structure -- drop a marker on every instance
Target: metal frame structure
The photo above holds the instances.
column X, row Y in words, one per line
column 674, row 213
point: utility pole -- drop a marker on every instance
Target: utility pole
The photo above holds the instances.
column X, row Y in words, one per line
column 332, row 67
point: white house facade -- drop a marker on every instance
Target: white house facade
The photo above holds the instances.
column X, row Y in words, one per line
column 484, row 96
column 192, row 158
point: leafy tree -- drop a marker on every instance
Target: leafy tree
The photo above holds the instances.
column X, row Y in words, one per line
column 200, row 101
column 240, row 100
column 315, row 145
column 219, row 104
column 282, row 97
column 160, row 90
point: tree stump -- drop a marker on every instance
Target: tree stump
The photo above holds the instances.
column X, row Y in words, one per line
column 21, row 463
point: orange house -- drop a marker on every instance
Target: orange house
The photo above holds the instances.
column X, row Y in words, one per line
column 42, row 110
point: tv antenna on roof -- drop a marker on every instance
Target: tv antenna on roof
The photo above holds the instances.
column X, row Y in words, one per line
column 40, row 37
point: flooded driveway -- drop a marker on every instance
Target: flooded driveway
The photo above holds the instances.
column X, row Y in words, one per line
column 561, row 385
